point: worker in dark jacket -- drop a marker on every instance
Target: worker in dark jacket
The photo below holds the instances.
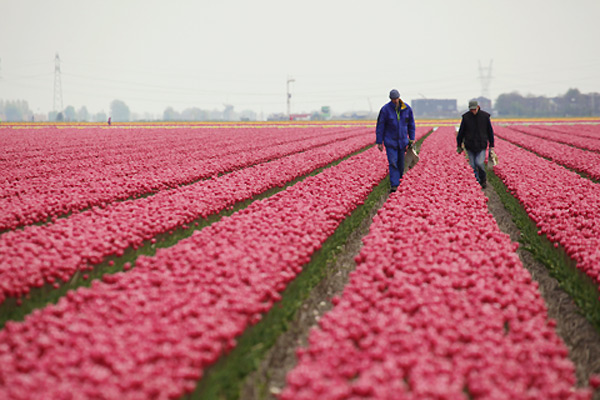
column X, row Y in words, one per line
column 395, row 129
column 476, row 132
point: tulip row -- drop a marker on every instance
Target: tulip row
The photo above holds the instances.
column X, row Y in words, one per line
column 36, row 255
column 564, row 206
column 562, row 136
column 439, row 306
column 587, row 162
column 152, row 331
column 56, row 152
column 422, row 131
column 96, row 149
column 35, row 153
column 587, row 131
column 37, row 199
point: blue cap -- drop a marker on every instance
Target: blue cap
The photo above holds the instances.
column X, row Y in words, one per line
column 394, row 94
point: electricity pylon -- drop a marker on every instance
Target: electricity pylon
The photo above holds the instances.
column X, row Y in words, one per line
column 289, row 96
column 485, row 77
column 58, row 101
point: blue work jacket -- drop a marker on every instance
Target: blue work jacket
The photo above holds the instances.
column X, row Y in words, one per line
column 395, row 128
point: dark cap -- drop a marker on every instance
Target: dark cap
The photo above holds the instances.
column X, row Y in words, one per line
column 394, row 94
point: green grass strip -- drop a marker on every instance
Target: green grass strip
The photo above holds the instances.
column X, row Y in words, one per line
column 224, row 379
column 11, row 310
column 419, row 142
column 582, row 289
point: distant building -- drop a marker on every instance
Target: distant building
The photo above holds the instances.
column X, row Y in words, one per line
column 434, row 108
column 300, row 117
column 277, row 117
column 484, row 103
column 356, row 115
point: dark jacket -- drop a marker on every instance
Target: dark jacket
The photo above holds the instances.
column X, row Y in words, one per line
column 394, row 129
column 476, row 131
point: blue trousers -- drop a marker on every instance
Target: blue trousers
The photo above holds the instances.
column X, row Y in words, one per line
column 477, row 162
column 396, row 162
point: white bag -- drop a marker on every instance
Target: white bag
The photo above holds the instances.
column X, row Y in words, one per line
column 411, row 158
column 492, row 159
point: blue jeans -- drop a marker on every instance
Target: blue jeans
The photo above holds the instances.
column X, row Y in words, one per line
column 477, row 161
column 396, row 162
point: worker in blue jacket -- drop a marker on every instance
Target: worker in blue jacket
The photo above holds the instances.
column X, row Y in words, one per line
column 396, row 130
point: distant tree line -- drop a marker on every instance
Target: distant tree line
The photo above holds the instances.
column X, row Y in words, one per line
column 189, row 114
column 18, row 111
column 15, row 110
column 197, row 114
column 572, row 104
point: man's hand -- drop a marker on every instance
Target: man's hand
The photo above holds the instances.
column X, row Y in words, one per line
column 411, row 143
column 459, row 149
column 380, row 147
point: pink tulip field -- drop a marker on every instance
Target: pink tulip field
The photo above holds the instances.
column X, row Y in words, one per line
column 587, row 162
column 125, row 170
column 47, row 253
column 188, row 303
column 439, row 305
column 571, row 136
column 586, row 131
column 565, row 206
column 162, row 262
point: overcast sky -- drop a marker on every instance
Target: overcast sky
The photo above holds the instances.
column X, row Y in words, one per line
column 342, row 53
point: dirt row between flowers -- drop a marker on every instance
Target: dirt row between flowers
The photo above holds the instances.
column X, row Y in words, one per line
column 581, row 338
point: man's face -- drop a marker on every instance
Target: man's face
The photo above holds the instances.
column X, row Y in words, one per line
column 475, row 110
column 396, row 101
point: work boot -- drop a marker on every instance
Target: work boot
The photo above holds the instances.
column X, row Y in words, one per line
column 483, row 184
column 393, row 189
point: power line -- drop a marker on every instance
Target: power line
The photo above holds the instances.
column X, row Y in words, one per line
column 289, row 95
column 173, row 89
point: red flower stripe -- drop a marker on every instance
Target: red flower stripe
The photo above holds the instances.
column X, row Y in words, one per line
column 45, row 254
column 584, row 130
column 564, row 136
column 150, row 332
column 565, row 206
column 36, row 153
column 162, row 165
column 421, row 131
column 584, row 161
column 439, row 307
